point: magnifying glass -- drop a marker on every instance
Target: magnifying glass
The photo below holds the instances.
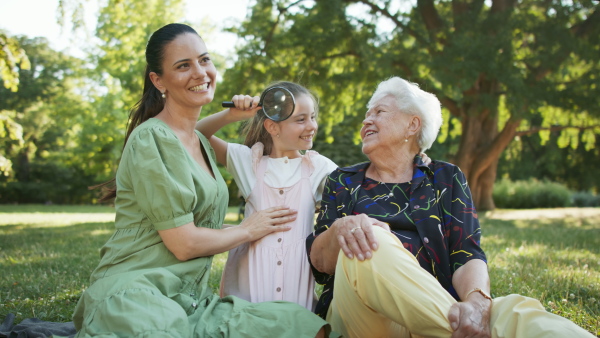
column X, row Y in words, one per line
column 277, row 103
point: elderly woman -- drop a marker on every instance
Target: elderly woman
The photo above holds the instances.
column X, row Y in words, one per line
column 413, row 229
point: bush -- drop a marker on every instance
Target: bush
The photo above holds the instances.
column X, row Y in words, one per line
column 530, row 194
column 585, row 199
column 49, row 183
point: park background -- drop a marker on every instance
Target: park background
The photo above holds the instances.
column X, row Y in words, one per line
column 518, row 81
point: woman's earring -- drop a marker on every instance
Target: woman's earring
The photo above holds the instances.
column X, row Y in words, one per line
column 277, row 135
column 405, row 140
column 164, row 96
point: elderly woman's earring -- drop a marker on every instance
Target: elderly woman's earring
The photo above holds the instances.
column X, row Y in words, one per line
column 164, row 96
column 405, row 140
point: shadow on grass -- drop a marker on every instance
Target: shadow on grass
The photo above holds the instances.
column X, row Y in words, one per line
column 64, row 238
column 45, row 260
column 42, row 208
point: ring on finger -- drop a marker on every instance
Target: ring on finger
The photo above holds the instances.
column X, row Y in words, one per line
column 354, row 229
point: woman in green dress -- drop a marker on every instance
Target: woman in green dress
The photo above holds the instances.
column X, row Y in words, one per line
column 170, row 203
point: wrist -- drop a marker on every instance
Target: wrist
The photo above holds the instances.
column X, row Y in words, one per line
column 244, row 229
column 230, row 117
column 479, row 295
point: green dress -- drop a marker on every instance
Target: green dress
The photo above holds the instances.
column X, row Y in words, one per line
column 139, row 288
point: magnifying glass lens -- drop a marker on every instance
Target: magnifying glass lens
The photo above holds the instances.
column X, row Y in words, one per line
column 278, row 103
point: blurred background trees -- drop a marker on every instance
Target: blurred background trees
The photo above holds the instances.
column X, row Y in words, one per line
column 518, row 82
column 501, row 69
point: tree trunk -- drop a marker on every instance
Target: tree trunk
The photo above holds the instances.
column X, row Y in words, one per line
column 485, row 187
column 481, row 179
column 480, row 149
column 482, row 142
column 23, row 173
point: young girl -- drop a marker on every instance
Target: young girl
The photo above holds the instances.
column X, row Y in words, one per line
column 270, row 169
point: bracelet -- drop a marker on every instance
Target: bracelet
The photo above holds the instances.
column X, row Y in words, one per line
column 485, row 295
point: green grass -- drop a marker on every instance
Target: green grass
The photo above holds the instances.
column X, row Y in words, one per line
column 48, row 252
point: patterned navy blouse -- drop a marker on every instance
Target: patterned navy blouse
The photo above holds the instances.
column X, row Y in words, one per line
column 433, row 216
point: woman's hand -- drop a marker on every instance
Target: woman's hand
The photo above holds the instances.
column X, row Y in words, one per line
column 355, row 235
column 265, row 222
column 246, row 106
column 471, row 318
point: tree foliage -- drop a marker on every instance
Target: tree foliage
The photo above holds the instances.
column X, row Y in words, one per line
column 501, row 68
column 11, row 133
column 123, row 32
column 11, row 56
column 48, row 108
column 515, row 76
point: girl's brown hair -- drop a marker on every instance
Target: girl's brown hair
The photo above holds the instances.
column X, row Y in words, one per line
column 255, row 130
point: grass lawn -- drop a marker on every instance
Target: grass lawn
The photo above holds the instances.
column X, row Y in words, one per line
column 48, row 252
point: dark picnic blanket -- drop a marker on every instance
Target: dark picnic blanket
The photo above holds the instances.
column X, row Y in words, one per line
column 34, row 327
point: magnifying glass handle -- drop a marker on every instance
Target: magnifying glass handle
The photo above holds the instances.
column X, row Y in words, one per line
column 229, row 104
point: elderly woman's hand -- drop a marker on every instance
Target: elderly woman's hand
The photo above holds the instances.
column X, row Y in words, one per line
column 355, row 235
column 471, row 318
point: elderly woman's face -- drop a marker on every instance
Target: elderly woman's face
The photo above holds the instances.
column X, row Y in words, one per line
column 384, row 125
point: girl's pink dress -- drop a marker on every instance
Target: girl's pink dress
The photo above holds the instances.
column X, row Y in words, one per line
column 276, row 266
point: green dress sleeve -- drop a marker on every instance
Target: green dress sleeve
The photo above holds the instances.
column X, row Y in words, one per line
column 161, row 177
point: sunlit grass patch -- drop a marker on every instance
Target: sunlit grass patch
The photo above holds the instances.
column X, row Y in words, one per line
column 553, row 259
column 47, row 255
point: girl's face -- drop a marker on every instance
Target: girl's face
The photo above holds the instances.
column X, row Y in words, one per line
column 189, row 76
column 297, row 132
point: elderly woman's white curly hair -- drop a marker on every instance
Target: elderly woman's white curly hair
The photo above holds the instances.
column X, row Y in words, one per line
column 413, row 100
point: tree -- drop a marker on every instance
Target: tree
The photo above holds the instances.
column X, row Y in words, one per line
column 48, row 109
column 12, row 56
column 501, row 68
column 11, row 139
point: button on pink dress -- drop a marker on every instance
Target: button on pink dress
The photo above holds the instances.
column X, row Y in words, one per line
column 276, row 266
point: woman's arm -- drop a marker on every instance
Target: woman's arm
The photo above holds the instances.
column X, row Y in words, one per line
column 324, row 251
column 471, row 317
column 246, row 107
column 188, row 241
column 473, row 275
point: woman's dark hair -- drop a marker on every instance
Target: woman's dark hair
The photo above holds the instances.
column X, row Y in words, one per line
column 151, row 102
column 255, row 130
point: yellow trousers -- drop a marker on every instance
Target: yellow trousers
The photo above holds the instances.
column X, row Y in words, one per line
column 390, row 295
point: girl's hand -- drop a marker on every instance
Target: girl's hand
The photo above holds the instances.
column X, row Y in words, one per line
column 246, row 106
column 425, row 158
column 265, row 222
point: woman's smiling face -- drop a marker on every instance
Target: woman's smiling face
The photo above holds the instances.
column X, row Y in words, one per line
column 189, row 76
